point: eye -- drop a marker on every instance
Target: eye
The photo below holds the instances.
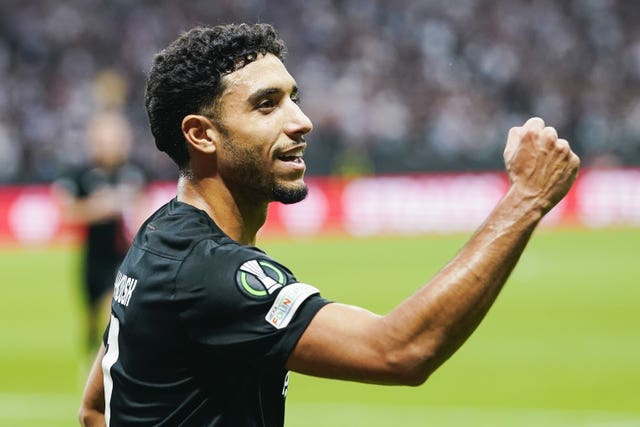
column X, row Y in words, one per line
column 266, row 104
column 296, row 99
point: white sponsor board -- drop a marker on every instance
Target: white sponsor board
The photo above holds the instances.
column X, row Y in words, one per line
column 608, row 198
column 417, row 204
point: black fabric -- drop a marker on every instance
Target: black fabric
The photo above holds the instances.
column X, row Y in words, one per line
column 194, row 347
column 105, row 242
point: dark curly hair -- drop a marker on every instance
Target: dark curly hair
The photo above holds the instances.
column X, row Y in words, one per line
column 186, row 77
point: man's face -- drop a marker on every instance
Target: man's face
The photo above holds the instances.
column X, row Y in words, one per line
column 109, row 140
column 263, row 131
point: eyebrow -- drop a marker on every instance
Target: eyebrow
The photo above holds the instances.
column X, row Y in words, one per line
column 266, row 92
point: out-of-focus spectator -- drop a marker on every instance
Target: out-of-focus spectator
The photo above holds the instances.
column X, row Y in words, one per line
column 417, row 85
column 97, row 196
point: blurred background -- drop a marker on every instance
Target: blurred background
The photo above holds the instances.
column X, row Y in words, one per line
column 394, row 86
column 411, row 102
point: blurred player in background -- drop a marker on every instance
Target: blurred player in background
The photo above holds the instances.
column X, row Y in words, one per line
column 96, row 197
column 205, row 326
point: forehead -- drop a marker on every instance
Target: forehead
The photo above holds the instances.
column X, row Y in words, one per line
column 265, row 72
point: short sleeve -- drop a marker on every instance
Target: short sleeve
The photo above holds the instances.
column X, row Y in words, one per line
column 241, row 306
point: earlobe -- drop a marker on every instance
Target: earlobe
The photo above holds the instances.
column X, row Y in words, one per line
column 200, row 133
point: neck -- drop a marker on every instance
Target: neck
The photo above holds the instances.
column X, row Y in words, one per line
column 238, row 217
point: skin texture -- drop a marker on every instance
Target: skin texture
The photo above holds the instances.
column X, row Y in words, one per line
column 235, row 163
column 408, row 344
column 92, row 407
column 345, row 342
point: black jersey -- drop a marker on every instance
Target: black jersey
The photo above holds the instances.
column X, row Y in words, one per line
column 106, row 241
column 201, row 328
column 104, row 238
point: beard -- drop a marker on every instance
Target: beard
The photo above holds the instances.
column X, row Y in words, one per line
column 289, row 196
column 245, row 171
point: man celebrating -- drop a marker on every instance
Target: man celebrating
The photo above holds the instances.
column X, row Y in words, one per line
column 205, row 326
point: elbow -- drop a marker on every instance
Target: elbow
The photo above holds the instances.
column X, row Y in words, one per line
column 416, row 374
column 90, row 417
column 411, row 366
column 83, row 418
column 415, row 379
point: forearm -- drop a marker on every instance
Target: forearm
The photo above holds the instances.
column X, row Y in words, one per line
column 100, row 206
column 91, row 210
column 436, row 320
column 408, row 344
column 91, row 413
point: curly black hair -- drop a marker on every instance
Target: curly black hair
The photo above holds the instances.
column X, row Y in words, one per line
column 186, row 77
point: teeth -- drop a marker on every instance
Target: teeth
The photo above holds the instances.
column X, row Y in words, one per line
column 290, row 157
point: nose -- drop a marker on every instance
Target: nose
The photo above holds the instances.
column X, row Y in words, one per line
column 298, row 124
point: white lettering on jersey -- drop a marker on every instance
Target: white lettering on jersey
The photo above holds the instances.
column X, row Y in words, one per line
column 123, row 288
column 287, row 303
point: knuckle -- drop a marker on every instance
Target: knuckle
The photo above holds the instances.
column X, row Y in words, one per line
column 536, row 122
column 550, row 132
column 530, row 135
column 562, row 145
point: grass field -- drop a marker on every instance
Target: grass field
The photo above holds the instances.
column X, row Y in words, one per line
column 561, row 347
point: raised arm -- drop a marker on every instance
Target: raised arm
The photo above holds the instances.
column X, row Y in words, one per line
column 91, row 412
column 408, row 344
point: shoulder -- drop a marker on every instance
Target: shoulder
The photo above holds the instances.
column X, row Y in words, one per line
column 225, row 261
column 233, row 287
column 229, row 275
column 179, row 231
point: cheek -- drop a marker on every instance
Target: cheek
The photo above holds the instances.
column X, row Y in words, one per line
column 261, row 128
column 256, row 133
column 242, row 157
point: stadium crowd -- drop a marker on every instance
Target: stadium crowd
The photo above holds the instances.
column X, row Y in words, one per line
column 403, row 85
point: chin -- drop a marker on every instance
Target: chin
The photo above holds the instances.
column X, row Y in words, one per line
column 290, row 194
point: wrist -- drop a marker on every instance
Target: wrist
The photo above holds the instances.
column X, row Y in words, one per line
column 525, row 205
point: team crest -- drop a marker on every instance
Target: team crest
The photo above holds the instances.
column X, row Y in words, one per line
column 259, row 278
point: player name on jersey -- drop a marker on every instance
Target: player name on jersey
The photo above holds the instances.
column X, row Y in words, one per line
column 123, row 288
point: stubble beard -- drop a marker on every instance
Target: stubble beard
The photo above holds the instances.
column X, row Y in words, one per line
column 247, row 172
column 289, row 196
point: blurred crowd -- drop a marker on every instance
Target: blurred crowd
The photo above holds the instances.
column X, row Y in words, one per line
column 391, row 86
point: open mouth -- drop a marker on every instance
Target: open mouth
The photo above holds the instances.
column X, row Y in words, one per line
column 292, row 154
column 291, row 158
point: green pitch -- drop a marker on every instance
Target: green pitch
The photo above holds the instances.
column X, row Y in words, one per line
column 561, row 347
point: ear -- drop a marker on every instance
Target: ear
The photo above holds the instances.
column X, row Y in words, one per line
column 201, row 134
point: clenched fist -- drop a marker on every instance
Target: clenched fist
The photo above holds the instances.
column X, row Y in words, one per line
column 540, row 165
